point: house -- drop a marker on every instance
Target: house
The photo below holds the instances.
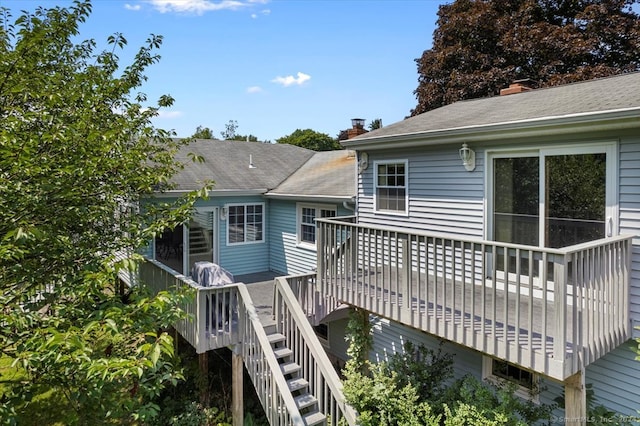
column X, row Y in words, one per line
column 508, row 227
column 259, row 215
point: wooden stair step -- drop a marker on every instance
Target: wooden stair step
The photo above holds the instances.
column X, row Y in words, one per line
column 275, row 338
column 314, row 418
column 297, row 384
column 289, row 368
column 282, row 352
column 305, row 400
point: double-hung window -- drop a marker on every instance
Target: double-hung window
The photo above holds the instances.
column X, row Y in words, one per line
column 391, row 186
column 307, row 214
column 245, row 223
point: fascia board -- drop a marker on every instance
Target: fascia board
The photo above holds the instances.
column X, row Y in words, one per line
column 547, row 126
column 213, row 193
column 310, row 198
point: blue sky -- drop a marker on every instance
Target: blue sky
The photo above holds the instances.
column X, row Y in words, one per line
column 273, row 66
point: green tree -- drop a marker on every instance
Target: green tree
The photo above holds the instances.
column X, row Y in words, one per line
column 78, row 154
column 311, row 139
column 229, row 132
column 203, row 133
column 479, row 47
column 246, row 138
column 375, row 124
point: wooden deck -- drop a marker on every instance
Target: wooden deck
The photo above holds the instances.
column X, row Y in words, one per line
column 253, row 318
column 511, row 302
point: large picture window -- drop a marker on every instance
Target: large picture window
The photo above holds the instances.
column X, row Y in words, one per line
column 245, row 223
column 307, row 214
column 391, row 186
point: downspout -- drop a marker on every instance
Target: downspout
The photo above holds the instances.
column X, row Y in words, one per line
column 349, row 205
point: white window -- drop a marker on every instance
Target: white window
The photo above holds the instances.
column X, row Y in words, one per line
column 499, row 371
column 307, row 214
column 391, row 186
column 245, row 223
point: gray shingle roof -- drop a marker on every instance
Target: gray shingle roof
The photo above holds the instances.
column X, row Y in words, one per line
column 588, row 97
column 326, row 174
column 227, row 163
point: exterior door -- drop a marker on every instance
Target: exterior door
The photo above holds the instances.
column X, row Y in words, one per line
column 201, row 238
column 552, row 198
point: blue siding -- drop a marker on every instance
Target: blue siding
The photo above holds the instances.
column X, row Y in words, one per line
column 616, row 381
column 246, row 258
column 287, row 256
column 629, row 201
column 443, row 196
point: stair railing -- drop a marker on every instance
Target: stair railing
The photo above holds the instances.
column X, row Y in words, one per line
column 324, row 383
column 262, row 366
column 247, row 331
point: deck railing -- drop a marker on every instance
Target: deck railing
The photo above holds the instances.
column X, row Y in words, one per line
column 308, row 353
column 261, row 363
column 224, row 316
column 212, row 314
column 315, row 305
column 553, row 311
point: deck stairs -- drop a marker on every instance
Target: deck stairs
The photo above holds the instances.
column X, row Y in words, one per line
column 293, row 377
column 297, row 385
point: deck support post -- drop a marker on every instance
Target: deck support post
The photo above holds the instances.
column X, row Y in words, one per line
column 575, row 400
column 237, row 372
column 203, row 366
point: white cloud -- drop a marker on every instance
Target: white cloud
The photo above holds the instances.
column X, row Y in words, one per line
column 132, row 6
column 265, row 12
column 254, row 89
column 291, row 80
column 197, row 6
column 169, row 114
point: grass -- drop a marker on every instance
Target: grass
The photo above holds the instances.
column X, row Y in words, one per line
column 46, row 408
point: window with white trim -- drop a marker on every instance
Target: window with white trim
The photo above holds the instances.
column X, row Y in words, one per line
column 500, row 371
column 245, row 223
column 307, row 214
column 391, row 186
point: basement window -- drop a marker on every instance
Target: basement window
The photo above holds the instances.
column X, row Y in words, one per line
column 322, row 332
column 502, row 372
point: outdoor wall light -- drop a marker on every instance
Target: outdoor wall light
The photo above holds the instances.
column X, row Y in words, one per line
column 468, row 157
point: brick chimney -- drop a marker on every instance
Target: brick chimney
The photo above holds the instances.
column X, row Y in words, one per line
column 518, row 86
column 357, row 128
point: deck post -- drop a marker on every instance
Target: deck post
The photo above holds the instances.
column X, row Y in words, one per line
column 560, row 310
column 237, row 372
column 575, row 400
column 203, row 365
